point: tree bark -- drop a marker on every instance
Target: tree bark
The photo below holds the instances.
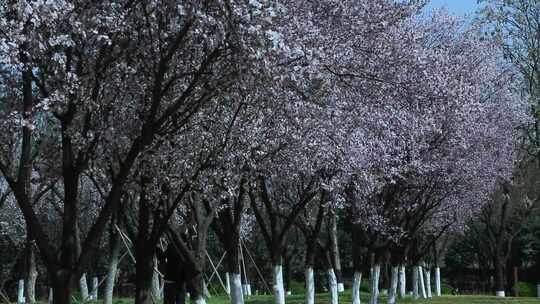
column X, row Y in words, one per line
column 427, row 273
column 113, row 267
column 228, row 283
column 63, row 282
column 402, row 282
column 156, row 286
column 357, row 280
column 332, row 286
column 437, row 281
column 279, row 289
column 499, row 276
column 393, row 285
column 421, row 286
column 374, row 283
column 20, row 293
column 31, row 272
column 83, row 288
column 144, row 270
column 95, row 289
column 334, row 247
column 415, row 283
column 237, row 296
column 310, row 286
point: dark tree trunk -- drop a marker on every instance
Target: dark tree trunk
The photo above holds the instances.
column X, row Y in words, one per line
column 31, row 270
column 287, row 270
column 143, row 277
column 334, row 247
column 63, row 283
column 233, row 260
column 499, row 273
column 145, row 252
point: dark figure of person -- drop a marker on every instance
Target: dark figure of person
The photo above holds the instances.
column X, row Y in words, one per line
column 172, row 267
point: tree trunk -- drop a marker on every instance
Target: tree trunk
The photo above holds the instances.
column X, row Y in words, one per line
column 515, row 281
column 237, row 296
column 402, row 282
column 143, row 278
column 437, row 281
column 421, row 286
column 427, row 273
column 310, row 285
column 20, row 293
column 332, row 286
column 233, row 270
column 357, row 280
column 374, row 283
column 197, row 284
column 227, row 284
column 83, row 287
column 393, row 285
column 95, row 289
column 336, row 261
column 112, row 269
column 499, row 277
column 63, row 283
column 415, row 283
column 279, row 291
column 156, row 286
column 31, row 272
column 287, row 272
column 311, row 243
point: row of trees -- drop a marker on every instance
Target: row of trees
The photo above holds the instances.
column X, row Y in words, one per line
column 161, row 115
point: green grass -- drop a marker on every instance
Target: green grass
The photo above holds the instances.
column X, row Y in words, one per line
column 345, row 298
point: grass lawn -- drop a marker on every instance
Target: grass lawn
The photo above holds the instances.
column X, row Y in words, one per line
column 346, row 298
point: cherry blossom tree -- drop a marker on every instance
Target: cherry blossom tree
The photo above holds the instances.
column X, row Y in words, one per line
column 99, row 73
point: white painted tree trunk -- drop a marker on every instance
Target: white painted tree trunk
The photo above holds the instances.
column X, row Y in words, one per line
column 335, row 252
column 156, row 286
column 94, row 289
column 402, row 282
column 427, row 272
column 279, row 290
column 377, row 280
column 51, row 296
column 421, row 286
column 332, row 286
column 237, row 296
column 437, row 281
column 392, row 293
column 374, row 284
column 415, row 283
column 94, row 293
column 310, row 286
column 111, row 279
column 83, row 287
column 20, row 293
column 227, row 283
column 31, row 278
column 500, row 293
column 538, row 291
column 357, row 280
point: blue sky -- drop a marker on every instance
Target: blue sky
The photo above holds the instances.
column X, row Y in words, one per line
column 456, row 7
